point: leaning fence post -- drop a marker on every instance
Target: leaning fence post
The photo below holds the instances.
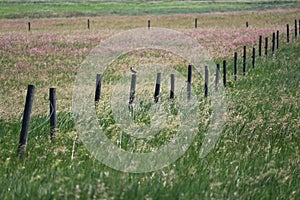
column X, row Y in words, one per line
column 266, row 46
column 98, row 87
column 26, row 121
column 287, row 33
column 157, row 87
column 273, row 42
column 244, row 61
column 235, row 66
column 224, row 73
column 189, row 82
column 196, row 23
column 172, row 89
column 132, row 88
column 277, row 39
column 260, row 45
column 206, row 82
column 52, row 94
column 253, row 57
column 217, row 76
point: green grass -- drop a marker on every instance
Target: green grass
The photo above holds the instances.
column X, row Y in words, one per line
column 36, row 9
column 256, row 157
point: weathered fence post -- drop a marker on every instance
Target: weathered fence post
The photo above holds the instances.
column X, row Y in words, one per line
column 260, row 45
column 206, row 82
column 26, row 121
column 299, row 27
column 88, row 23
column 273, row 42
column 277, row 39
column 132, row 88
column 266, row 46
column 98, row 87
column 157, row 87
column 29, row 26
column 189, row 82
column 149, row 25
column 235, row 66
column 196, row 23
column 244, row 61
column 172, row 89
column 296, row 28
column 217, row 76
column 247, row 24
column 52, row 95
column 287, row 33
column 224, row 73
column 253, row 57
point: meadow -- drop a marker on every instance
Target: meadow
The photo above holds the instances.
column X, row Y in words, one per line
column 256, row 156
column 75, row 8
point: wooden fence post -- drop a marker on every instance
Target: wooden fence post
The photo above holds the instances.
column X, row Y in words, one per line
column 172, row 89
column 196, row 23
column 217, row 76
column 98, row 87
column 287, row 33
column 132, row 88
column 157, row 87
column 273, row 42
column 260, row 45
column 26, row 121
column 244, row 61
column 206, row 82
column 247, row 24
column 52, row 95
column 189, row 82
column 235, row 66
column 253, row 57
column 88, row 23
column 296, row 28
column 29, row 26
column 224, row 73
column 277, row 39
column 266, row 46
column 149, row 25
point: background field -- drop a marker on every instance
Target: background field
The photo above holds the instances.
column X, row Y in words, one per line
column 36, row 9
column 256, row 157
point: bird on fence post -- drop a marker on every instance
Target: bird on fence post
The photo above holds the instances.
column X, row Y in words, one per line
column 132, row 70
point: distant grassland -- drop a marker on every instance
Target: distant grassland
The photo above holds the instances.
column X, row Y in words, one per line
column 73, row 8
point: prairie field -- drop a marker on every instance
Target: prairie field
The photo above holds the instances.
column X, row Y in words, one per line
column 257, row 153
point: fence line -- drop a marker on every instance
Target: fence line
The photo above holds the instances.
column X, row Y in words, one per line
column 52, row 91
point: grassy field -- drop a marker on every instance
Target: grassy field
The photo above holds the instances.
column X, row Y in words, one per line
column 37, row 9
column 256, row 157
